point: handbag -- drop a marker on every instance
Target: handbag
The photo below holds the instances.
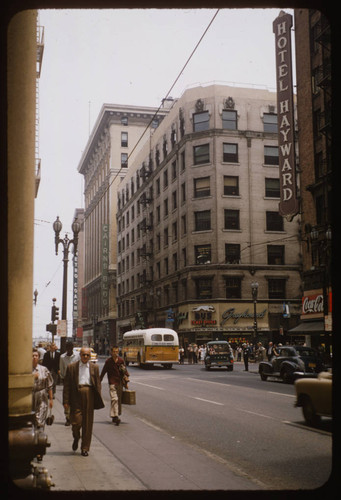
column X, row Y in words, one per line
column 128, row 397
column 50, row 418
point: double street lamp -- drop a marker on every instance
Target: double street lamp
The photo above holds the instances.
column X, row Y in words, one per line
column 57, row 227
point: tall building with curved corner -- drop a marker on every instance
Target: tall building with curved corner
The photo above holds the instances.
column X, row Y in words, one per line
column 198, row 223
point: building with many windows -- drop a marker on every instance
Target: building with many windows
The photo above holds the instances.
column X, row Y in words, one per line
column 198, row 223
column 313, row 61
column 118, row 135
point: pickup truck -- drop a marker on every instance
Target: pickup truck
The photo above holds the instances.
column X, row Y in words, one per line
column 292, row 362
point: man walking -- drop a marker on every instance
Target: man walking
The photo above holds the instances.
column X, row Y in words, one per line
column 118, row 377
column 65, row 360
column 82, row 394
column 246, row 354
column 51, row 362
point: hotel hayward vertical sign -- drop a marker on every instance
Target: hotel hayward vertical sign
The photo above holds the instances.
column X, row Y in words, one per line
column 105, row 266
column 289, row 204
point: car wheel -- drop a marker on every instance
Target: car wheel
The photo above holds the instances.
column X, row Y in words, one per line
column 287, row 375
column 262, row 374
column 309, row 412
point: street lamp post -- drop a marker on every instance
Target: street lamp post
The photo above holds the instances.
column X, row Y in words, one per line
column 254, row 288
column 57, row 227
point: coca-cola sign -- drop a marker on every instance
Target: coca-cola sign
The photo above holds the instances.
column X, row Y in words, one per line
column 312, row 304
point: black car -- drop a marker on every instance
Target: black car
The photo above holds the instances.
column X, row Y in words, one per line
column 293, row 362
column 218, row 354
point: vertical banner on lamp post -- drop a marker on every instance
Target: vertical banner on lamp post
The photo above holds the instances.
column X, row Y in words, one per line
column 289, row 205
column 105, row 266
column 75, row 287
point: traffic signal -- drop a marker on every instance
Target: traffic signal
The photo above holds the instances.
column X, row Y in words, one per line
column 51, row 328
column 54, row 313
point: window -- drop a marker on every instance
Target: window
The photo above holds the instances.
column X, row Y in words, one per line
column 183, row 224
column 166, row 267
column 274, row 222
column 231, row 219
column 175, row 231
column 201, row 121
column 275, row 254
column 201, row 154
column 230, row 120
column 124, row 160
column 232, row 253
column 231, row 185
column 184, row 257
column 202, row 254
column 230, row 152
column 175, row 261
column 165, row 237
column 156, row 337
column 173, row 170
column 158, row 186
column 158, row 214
column 202, row 220
column 272, row 188
column 202, row 187
column 204, row 288
column 165, row 179
column 271, row 155
column 124, row 139
column 183, row 162
column 276, row 288
column 233, row 287
column 183, row 192
column 124, row 120
column 165, row 207
column 270, row 122
column 174, row 200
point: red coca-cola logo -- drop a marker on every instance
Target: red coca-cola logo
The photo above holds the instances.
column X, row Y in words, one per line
column 312, row 304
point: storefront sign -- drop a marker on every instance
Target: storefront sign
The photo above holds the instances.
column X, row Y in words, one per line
column 312, row 304
column 289, row 205
column 236, row 316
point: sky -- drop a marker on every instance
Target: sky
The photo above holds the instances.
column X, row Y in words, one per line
column 124, row 56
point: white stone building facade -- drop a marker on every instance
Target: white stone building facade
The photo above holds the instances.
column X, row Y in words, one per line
column 198, row 222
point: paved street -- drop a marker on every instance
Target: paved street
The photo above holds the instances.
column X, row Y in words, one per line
column 198, row 430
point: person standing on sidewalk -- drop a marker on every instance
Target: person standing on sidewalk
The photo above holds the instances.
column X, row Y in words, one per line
column 51, row 361
column 42, row 396
column 246, row 354
column 64, row 361
column 82, row 393
column 118, row 377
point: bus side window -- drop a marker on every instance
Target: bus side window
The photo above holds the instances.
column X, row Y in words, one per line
column 168, row 337
column 156, row 337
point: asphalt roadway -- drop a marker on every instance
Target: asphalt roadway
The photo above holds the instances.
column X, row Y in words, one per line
column 193, row 430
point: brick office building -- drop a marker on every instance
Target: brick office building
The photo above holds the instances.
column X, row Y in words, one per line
column 313, row 73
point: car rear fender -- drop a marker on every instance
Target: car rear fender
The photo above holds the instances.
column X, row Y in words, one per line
column 265, row 367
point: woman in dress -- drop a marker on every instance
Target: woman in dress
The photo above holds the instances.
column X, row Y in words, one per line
column 42, row 396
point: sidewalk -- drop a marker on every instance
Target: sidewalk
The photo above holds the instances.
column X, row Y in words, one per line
column 101, row 470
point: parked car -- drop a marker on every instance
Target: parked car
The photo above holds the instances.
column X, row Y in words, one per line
column 93, row 354
column 219, row 353
column 293, row 362
column 315, row 397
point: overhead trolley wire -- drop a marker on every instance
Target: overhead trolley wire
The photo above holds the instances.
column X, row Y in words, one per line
column 156, row 112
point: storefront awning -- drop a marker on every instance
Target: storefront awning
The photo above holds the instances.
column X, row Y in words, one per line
column 307, row 328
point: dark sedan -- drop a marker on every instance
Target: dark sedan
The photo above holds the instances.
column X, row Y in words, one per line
column 292, row 362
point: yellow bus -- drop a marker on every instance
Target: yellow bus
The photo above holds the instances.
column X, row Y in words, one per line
column 151, row 346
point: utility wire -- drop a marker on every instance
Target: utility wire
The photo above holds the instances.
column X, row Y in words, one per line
column 156, row 112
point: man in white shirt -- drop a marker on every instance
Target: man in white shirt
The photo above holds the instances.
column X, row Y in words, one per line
column 65, row 359
column 82, row 395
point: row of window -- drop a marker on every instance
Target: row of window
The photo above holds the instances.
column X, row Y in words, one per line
column 202, row 222
column 201, row 156
column 201, row 189
column 202, row 256
column 170, row 294
column 201, row 121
